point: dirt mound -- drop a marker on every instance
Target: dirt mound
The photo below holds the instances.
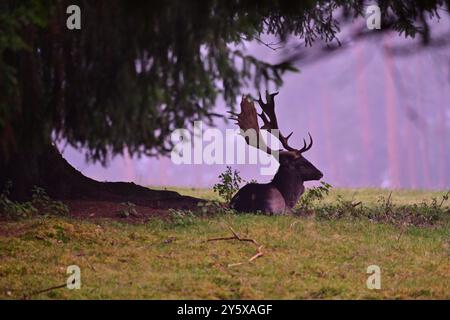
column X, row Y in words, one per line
column 128, row 201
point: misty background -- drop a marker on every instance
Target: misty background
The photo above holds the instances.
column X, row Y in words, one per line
column 378, row 109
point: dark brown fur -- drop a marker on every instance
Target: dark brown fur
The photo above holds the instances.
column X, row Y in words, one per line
column 283, row 192
column 286, row 187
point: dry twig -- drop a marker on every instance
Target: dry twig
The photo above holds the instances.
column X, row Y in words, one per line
column 257, row 255
column 236, row 236
column 26, row 297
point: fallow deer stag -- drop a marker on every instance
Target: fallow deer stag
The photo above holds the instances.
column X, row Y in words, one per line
column 282, row 193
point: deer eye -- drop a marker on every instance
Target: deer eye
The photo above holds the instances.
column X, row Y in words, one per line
column 301, row 166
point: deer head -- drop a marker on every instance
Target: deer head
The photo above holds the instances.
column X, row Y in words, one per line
column 290, row 159
column 287, row 185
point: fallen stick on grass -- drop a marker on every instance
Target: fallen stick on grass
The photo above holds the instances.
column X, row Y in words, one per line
column 235, row 264
column 257, row 255
column 236, row 236
column 26, row 297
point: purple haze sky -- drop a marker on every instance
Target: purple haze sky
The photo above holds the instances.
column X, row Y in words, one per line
column 378, row 119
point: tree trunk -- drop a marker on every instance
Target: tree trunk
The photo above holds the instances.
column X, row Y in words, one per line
column 49, row 170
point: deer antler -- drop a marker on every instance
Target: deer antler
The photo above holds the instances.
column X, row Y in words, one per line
column 269, row 118
column 306, row 148
column 247, row 120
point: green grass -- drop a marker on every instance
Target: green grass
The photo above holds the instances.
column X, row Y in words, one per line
column 366, row 195
column 304, row 257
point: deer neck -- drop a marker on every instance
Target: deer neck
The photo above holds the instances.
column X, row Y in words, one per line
column 289, row 184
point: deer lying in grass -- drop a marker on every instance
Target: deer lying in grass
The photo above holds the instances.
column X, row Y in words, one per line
column 286, row 187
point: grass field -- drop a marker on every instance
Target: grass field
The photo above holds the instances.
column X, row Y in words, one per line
column 303, row 257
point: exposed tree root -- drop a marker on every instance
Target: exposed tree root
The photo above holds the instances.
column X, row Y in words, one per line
column 50, row 171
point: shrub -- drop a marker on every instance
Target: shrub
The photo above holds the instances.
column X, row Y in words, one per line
column 385, row 211
column 316, row 193
column 40, row 204
column 182, row 218
column 229, row 184
column 129, row 209
column 45, row 205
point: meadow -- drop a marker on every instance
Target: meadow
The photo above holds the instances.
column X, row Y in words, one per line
column 307, row 255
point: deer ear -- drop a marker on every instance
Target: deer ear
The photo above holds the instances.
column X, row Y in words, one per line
column 286, row 158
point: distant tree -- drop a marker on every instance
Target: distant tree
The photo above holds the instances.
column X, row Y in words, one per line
column 138, row 69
